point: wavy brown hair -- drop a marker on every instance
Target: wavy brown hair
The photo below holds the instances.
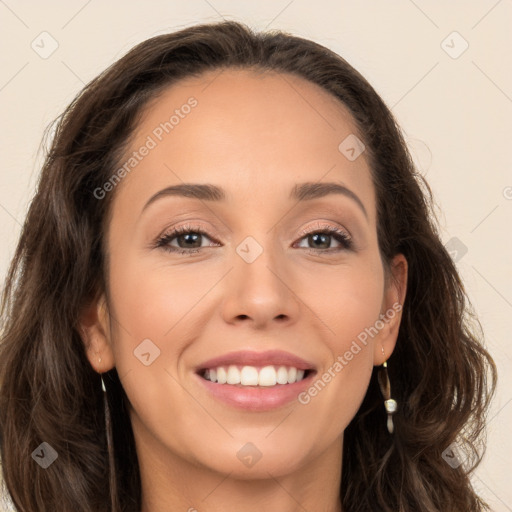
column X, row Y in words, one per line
column 442, row 377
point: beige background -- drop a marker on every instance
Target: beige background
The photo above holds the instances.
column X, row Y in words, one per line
column 453, row 108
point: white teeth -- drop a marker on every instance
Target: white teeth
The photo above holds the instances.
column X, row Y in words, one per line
column 233, row 375
column 267, row 376
column 221, row 375
column 249, row 376
column 252, row 376
column 282, row 375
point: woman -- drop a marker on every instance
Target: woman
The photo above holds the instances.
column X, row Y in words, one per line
column 229, row 238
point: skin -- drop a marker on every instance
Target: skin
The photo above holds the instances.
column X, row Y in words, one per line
column 256, row 135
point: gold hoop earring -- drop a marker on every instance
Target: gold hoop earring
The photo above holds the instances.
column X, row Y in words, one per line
column 385, row 387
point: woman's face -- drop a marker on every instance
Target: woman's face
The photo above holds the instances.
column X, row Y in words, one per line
column 258, row 280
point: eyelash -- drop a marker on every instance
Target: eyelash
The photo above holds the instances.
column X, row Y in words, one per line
column 339, row 235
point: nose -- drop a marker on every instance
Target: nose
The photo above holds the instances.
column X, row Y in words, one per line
column 260, row 292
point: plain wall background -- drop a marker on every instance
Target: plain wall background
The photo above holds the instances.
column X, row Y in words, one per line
column 453, row 109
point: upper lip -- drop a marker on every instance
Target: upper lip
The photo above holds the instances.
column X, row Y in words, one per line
column 251, row 358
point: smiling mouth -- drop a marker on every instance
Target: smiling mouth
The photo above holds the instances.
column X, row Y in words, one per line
column 255, row 376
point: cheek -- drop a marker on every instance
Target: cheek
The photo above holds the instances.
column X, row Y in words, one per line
column 345, row 301
column 337, row 391
column 151, row 302
column 154, row 319
column 348, row 307
column 151, row 308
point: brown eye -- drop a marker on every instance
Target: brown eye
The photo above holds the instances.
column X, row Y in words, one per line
column 184, row 240
column 189, row 240
column 321, row 240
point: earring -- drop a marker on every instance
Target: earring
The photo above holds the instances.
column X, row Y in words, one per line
column 101, row 376
column 385, row 388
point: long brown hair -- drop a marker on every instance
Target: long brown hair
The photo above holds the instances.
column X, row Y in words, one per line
column 441, row 375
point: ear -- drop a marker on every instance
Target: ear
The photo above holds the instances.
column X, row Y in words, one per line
column 391, row 311
column 94, row 330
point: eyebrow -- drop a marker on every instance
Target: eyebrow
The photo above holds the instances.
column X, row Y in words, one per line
column 300, row 192
column 307, row 191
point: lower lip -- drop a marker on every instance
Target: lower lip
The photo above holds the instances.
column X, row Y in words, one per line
column 254, row 398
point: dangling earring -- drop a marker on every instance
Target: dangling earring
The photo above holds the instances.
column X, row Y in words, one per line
column 114, row 505
column 101, row 376
column 385, row 388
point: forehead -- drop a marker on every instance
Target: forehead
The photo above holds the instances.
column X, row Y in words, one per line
column 261, row 102
column 247, row 130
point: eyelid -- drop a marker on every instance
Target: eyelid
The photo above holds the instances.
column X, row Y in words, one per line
column 198, row 229
column 320, row 225
column 184, row 226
